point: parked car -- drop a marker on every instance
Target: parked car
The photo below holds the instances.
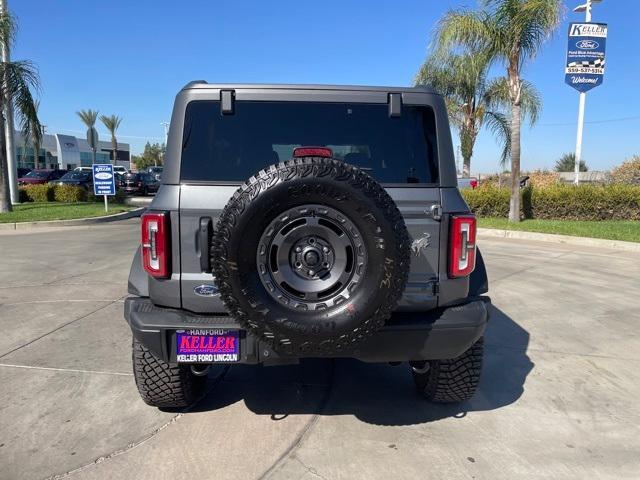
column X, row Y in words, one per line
column 80, row 178
column 39, row 177
column 467, row 182
column 156, row 172
column 83, row 169
column 119, row 170
column 23, row 171
column 139, row 183
column 369, row 253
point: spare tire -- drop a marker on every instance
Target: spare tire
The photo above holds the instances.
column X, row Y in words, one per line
column 311, row 256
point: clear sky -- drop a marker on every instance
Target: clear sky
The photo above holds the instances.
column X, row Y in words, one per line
column 131, row 57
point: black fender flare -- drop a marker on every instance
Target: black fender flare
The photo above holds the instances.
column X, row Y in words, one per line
column 478, row 281
column 138, row 280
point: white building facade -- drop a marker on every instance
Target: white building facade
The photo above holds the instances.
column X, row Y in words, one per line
column 66, row 152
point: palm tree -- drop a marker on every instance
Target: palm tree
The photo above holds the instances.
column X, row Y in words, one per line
column 19, row 78
column 28, row 134
column 112, row 123
column 567, row 163
column 512, row 31
column 89, row 118
column 473, row 101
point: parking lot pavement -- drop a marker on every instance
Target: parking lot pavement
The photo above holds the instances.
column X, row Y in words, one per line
column 558, row 396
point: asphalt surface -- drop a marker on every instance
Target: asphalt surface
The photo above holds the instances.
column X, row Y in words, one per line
column 558, row 396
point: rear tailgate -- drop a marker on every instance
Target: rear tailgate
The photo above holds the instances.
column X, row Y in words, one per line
column 220, row 151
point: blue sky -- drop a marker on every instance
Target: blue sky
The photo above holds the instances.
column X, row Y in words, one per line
column 131, row 58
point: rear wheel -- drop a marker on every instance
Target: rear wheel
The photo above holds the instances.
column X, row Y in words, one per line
column 450, row 381
column 161, row 384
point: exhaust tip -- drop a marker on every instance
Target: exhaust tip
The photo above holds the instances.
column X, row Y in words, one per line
column 200, row 370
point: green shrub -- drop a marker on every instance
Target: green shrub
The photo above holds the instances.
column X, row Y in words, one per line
column 586, row 202
column 560, row 202
column 69, row 194
column 117, row 198
column 22, row 195
column 488, row 201
column 39, row 193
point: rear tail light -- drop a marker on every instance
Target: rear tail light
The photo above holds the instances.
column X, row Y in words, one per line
column 312, row 152
column 155, row 244
column 473, row 183
column 462, row 246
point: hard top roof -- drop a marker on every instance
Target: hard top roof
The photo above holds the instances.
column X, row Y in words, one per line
column 202, row 84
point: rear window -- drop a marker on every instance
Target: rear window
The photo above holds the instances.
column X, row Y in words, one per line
column 231, row 148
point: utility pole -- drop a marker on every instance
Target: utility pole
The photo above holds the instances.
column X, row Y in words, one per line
column 583, row 97
column 8, row 133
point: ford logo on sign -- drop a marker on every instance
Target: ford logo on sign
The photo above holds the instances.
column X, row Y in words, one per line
column 206, row 290
column 103, row 176
column 587, row 44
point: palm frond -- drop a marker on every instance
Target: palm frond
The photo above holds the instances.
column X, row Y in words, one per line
column 19, row 78
column 530, row 101
column 464, row 28
column 88, row 117
column 497, row 97
column 538, row 19
column 498, row 124
column 496, row 94
column 111, row 122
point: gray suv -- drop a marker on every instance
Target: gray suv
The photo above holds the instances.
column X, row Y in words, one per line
column 298, row 221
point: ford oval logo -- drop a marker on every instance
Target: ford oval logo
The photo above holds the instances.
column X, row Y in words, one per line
column 587, row 44
column 103, row 176
column 206, row 290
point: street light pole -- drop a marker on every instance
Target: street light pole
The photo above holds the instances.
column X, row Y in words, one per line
column 583, row 98
column 8, row 133
column 166, row 138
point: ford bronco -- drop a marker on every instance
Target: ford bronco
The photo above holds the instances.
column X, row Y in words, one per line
column 298, row 221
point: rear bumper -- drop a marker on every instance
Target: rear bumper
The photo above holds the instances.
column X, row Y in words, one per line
column 433, row 335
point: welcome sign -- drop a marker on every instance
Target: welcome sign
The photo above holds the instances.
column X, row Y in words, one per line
column 586, row 55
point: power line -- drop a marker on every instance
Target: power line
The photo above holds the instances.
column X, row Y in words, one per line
column 609, row 120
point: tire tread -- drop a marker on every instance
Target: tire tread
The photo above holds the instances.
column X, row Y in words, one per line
column 161, row 384
column 454, row 380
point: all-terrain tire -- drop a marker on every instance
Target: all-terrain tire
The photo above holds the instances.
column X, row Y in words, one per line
column 164, row 385
column 266, row 198
column 454, row 380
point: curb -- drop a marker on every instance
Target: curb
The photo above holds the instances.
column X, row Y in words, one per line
column 72, row 222
column 566, row 239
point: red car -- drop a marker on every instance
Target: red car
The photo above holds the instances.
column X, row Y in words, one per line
column 38, row 177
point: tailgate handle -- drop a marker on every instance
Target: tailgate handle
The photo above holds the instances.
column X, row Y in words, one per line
column 205, row 232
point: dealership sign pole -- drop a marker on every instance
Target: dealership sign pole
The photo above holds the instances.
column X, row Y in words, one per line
column 585, row 65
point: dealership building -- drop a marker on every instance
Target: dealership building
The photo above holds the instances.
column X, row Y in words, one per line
column 66, row 152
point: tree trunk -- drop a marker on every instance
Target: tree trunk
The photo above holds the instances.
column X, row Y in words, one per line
column 514, row 203
column 114, row 147
column 466, row 166
column 467, row 141
column 5, row 195
column 36, row 159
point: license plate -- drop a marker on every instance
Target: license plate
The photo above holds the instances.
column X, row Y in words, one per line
column 207, row 345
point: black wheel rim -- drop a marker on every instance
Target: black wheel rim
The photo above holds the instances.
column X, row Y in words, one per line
column 311, row 257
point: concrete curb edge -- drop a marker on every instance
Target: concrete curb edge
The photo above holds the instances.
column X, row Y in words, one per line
column 72, row 222
column 566, row 239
